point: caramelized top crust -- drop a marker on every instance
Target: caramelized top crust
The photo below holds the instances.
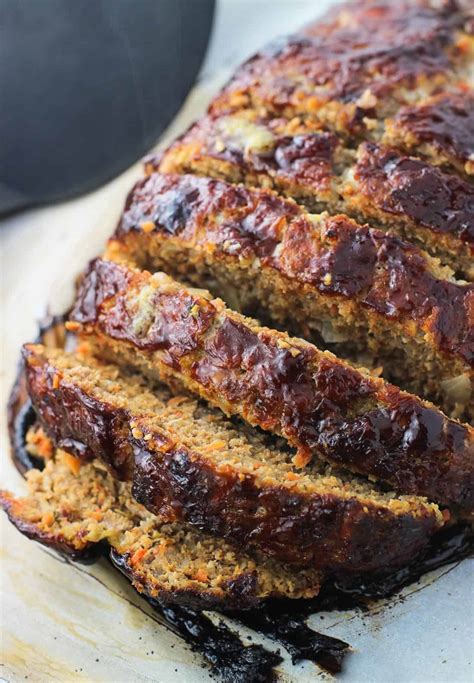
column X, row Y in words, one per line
column 412, row 189
column 368, row 50
column 332, row 254
column 281, row 384
column 444, row 123
column 292, row 152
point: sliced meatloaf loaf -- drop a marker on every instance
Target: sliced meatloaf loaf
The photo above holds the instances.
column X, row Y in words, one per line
column 189, row 463
column 74, row 505
column 356, row 289
column 375, row 183
column 359, row 66
column 282, row 384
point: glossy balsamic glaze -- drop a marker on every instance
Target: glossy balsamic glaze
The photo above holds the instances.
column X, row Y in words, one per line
column 338, row 60
column 411, row 188
column 170, row 479
column 446, row 122
column 304, row 158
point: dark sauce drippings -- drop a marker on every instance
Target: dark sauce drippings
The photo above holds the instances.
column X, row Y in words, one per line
column 223, row 649
column 302, row 642
column 285, row 620
column 281, row 620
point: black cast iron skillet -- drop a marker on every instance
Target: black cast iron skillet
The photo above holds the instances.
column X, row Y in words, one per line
column 87, row 86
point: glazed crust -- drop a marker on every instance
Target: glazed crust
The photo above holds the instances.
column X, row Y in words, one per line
column 374, row 183
column 173, row 481
column 440, row 128
column 380, row 292
column 282, row 384
column 429, row 206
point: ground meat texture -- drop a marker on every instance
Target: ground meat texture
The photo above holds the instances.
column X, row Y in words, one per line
column 355, row 289
column 358, row 67
column 289, row 387
column 74, row 506
column 189, row 463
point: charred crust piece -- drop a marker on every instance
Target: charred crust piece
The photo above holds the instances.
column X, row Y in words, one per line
column 357, row 68
column 282, row 384
column 189, row 463
column 81, row 510
column 440, row 128
column 347, row 281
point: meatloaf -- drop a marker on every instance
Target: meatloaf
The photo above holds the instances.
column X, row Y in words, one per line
column 372, row 182
column 359, row 65
column 188, row 463
column 367, row 295
column 285, row 385
column 73, row 506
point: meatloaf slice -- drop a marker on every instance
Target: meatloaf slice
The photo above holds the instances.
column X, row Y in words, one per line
column 355, row 289
column 285, row 385
column 189, row 463
column 378, row 184
column 74, row 505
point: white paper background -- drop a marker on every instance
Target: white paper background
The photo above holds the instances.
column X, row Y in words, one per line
column 73, row 623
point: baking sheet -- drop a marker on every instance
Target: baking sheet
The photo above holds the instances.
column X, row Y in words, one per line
column 68, row 622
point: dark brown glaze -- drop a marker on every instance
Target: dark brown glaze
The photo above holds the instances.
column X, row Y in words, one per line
column 338, row 257
column 304, row 158
column 410, row 188
column 76, row 422
column 20, row 413
column 385, row 274
column 446, row 122
column 304, row 530
column 179, row 205
column 316, row 401
column 174, row 482
column 380, row 52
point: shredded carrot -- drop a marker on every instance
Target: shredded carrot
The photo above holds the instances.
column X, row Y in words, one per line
column 302, row 457
column 56, row 381
column 292, row 476
column 147, row 226
column 137, row 556
column 214, row 446
column 202, row 575
column 98, row 515
column 73, row 463
column 43, row 444
column 161, row 548
column 48, row 518
column 72, row 325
